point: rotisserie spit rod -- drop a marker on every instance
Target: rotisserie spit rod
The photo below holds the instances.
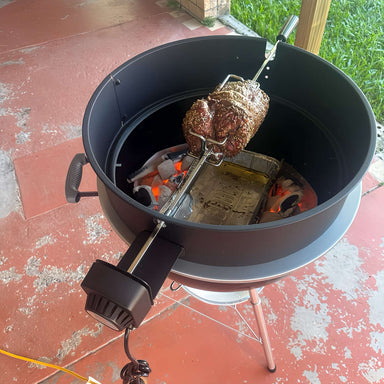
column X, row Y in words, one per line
column 170, row 207
column 240, row 108
column 283, row 35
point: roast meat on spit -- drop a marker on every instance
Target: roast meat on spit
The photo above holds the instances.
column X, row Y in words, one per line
column 234, row 111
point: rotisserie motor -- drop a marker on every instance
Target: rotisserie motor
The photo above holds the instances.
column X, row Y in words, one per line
column 235, row 111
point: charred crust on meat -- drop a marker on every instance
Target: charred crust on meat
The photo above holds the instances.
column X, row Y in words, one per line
column 236, row 111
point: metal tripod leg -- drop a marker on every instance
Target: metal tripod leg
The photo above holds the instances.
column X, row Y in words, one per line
column 256, row 304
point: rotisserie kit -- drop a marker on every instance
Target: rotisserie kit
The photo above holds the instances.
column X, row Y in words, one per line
column 219, row 185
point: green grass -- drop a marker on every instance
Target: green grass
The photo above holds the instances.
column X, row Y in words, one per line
column 353, row 38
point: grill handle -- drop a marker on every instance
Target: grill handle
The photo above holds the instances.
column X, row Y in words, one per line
column 287, row 28
column 73, row 180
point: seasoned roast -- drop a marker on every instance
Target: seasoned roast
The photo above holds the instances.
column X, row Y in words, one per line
column 236, row 111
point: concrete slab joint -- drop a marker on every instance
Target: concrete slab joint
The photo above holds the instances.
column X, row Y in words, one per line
column 9, row 190
column 202, row 9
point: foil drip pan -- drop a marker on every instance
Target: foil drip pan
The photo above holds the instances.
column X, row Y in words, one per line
column 233, row 193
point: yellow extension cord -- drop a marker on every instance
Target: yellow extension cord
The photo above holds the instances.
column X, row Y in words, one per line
column 89, row 380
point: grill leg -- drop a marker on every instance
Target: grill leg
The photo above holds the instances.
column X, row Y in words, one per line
column 256, row 304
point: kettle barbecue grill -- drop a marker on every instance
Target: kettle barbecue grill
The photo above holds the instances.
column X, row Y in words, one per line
column 318, row 121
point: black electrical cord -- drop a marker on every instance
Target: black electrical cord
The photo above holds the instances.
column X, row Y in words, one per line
column 133, row 372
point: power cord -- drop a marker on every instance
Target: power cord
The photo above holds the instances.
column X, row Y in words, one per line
column 90, row 380
column 135, row 371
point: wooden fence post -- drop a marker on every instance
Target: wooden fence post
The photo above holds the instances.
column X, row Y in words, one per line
column 310, row 30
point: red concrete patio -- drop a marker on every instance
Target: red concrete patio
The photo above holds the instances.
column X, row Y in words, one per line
column 326, row 320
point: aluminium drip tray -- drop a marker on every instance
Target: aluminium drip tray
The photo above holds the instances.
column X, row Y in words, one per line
column 233, row 193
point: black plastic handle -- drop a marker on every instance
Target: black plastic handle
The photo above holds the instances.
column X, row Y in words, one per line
column 73, row 180
column 287, row 28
